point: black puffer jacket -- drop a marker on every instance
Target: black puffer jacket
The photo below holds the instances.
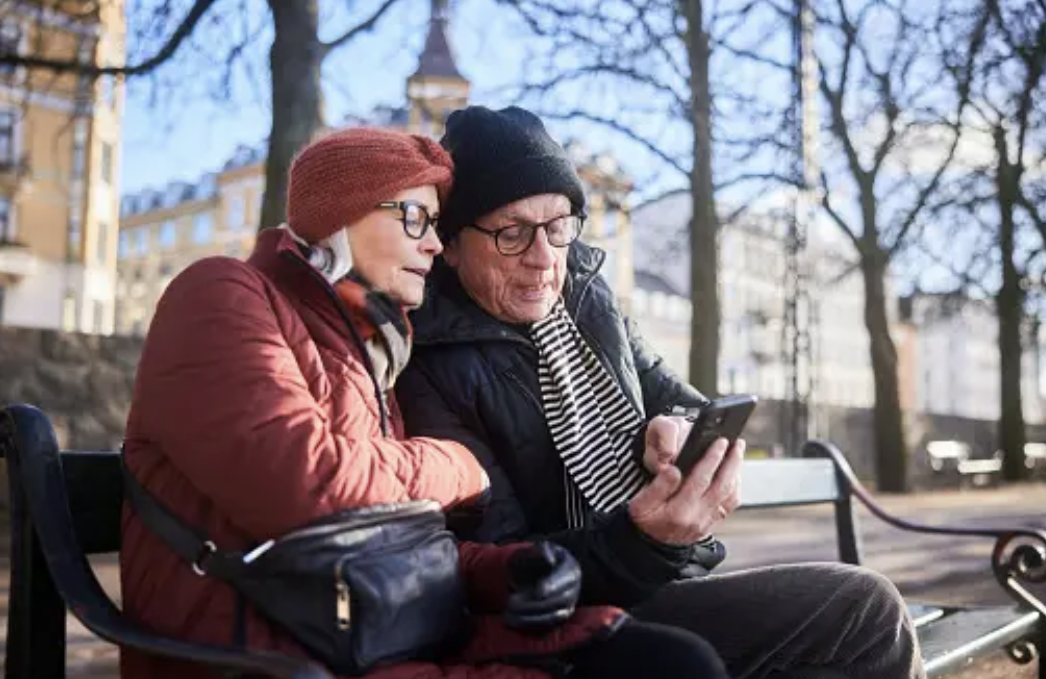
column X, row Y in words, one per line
column 473, row 379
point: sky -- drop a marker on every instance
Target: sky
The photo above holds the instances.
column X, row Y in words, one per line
column 188, row 132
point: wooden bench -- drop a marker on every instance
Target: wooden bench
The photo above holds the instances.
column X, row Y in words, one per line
column 66, row 505
column 951, row 637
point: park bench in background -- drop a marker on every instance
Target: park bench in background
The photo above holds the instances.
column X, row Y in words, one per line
column 953, row 462
column 66, row 505
column 951, row 636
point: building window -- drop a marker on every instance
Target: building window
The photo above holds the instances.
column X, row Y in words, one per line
column 69, row 312
column 124, row 248
column 98, row 316
column 107, row 85
column 101, row 247
column 168, row 235
column 107, row 163
column 143, row 240
column 236, row 215
column 7, row 227
column 75, row 233
column 166, row 275
column 202, row 231
column 10, row 43
column 7, row 138
column 79, row 150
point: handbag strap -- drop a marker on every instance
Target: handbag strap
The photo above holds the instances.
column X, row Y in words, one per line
column 185, row 541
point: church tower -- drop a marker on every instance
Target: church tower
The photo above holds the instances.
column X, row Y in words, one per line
column 437, row 87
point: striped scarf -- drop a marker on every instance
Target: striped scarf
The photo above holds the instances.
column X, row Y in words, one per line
column 591, row 421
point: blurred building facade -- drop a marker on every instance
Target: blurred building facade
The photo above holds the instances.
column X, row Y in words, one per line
column 59, row 168
column 954, row 369
column 752, row 251
column 163, row 231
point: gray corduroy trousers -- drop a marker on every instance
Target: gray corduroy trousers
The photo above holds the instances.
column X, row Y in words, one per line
column 802, row 621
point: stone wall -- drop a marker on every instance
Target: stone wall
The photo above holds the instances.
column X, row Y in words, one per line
column 82, row 382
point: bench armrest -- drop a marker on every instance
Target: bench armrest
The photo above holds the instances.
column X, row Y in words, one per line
column 264, row 663
column 1019, row 554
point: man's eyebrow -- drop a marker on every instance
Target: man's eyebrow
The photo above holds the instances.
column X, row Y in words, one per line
column 510, row 218
column 513, row 218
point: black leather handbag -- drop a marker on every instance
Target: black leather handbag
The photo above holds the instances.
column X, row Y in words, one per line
column 359, row 589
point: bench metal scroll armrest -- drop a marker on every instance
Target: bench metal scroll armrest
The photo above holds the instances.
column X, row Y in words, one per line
column 1019, row 554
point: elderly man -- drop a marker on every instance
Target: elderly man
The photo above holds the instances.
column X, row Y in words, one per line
column 522, row 355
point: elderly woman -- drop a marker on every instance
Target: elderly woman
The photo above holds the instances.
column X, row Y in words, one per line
column 522, row 355
column 263, row 404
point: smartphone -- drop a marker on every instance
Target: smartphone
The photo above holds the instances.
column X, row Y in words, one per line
column 722, row 418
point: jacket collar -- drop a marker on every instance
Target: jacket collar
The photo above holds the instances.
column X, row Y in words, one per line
column 277, row 256
column 449, row 316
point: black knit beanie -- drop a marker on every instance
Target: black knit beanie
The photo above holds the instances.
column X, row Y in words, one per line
column 501, row 157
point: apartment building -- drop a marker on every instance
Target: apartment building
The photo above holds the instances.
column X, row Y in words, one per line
column 752, row 256
column 59, row 168
column 954, row 368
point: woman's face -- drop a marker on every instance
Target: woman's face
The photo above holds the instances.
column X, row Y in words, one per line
column 387, row 257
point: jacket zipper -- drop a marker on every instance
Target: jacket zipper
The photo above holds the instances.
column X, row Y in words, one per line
column 383, row 408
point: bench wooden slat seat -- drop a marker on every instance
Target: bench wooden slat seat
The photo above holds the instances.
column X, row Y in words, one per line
column 950, row 637
column 961, row 636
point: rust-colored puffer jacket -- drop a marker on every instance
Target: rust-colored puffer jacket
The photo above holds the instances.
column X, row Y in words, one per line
column 253, row 414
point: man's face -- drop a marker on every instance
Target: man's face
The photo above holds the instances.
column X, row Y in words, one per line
column 515, row 289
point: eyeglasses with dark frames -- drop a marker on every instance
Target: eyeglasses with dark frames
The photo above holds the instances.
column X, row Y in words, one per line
column 414, row 216
column 516, row 239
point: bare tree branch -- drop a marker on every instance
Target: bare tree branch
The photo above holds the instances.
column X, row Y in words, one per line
column 826, row 202
column 621, row 128
column 184, row 29
column 358, row 29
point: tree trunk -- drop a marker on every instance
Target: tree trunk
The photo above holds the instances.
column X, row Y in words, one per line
column 704, row 228
column 1009, row 305
column 295, row 60
column 891, row 452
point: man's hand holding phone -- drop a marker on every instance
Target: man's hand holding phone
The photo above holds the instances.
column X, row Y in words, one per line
column 665, row 436
column 696, row 471
column 680, row 511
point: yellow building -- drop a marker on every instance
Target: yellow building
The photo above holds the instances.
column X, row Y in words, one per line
column 59, row 141
column 162, row 232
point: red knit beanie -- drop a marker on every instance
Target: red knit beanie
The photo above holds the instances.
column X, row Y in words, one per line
column 340, row 178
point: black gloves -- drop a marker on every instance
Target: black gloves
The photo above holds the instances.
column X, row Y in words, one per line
column 545, row 583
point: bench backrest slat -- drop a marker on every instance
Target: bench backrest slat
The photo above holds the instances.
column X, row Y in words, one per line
column 788, row 482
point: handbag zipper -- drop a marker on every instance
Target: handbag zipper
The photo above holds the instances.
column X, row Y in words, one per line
column 343, row 603
column 355, row 524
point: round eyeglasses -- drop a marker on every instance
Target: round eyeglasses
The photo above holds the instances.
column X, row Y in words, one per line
column 414, row 216
column 516, row 239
